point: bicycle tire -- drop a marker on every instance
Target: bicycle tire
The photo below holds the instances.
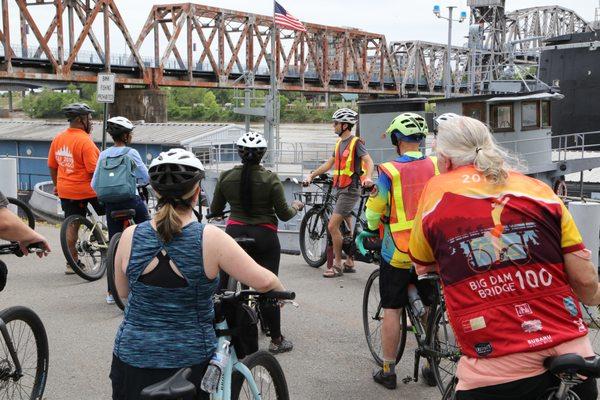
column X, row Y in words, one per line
column 84, row 247
column 23, row 211
column 110, row 270
column 11, row 316
column 443, row 367
column 257, row 363
column 450, row 390
column 374, row 341
column 319, row 259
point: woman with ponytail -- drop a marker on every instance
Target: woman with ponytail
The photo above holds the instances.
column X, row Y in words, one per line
column 257, row 199
column 492, row 233
column 169, row 269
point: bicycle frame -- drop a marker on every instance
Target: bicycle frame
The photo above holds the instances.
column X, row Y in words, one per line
column 11, row 349
column 224, row 389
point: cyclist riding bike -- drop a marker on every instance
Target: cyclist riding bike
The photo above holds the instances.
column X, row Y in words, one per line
column 14, row 229
column 512, row 263
column 393, row 205
column 257, row 199
column 117, row 158
column 169, row 266
column 352, row 167
column 72, row 161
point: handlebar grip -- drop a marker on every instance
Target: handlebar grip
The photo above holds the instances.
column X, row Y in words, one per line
column 274, row 294
column 36, row 246
column 217, row 215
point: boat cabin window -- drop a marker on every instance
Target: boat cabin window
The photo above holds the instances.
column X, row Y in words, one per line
column 475, row 110
column 546, row 117
column 502, row 117
column 530, row 115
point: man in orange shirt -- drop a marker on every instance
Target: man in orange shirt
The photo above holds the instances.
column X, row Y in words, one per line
column 72, row 160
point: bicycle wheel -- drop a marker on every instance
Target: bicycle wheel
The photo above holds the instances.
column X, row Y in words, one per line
column 110, row 271
column 450, row 390
column 28, row 336
column 23, row 211
column 314, row 236
column 267, row 374
column 373, row 320
column 90, row 245
column 591, row 316
column 441, row 340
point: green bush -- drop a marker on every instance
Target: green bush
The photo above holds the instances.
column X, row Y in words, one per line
column 49, row 103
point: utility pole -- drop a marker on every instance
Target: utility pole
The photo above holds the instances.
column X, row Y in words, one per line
column 447, row 69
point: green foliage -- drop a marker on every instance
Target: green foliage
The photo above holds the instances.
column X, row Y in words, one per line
column 49, row 103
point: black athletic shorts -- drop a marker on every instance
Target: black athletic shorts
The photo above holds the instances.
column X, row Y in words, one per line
column 393, row 286
column 79, row 207
column 532, row 388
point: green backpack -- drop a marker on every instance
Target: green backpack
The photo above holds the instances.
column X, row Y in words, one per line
column 115, row 179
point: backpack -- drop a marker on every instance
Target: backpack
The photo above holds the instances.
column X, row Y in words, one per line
column 115, row 179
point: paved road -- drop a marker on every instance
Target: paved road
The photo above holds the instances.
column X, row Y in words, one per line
column 330, row 359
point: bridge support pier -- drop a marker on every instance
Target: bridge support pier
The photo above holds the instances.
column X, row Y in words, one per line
column 149, row 105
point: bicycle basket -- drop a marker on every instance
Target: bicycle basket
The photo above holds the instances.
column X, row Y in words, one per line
column 243, row 327
column 310, row 198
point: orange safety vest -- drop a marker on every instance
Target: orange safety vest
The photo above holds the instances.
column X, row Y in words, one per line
column 344, row 164
column 408, row 181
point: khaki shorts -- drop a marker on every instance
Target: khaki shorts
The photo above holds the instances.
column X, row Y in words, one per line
column 346, row 200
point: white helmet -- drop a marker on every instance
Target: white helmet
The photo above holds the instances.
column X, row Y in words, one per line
column 445, row 117
column 345, row 115
column 119, row 125
column 252, row 140
column 175, row 172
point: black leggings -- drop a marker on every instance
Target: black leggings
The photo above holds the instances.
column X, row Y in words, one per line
column 528, row 389
column 266, row 251
column 128, row 381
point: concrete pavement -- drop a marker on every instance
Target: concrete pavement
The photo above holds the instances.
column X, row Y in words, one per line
column 330, row 359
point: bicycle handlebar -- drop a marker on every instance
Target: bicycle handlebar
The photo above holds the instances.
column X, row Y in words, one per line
column 15, row 248
column 217, row 215
column 273, row 294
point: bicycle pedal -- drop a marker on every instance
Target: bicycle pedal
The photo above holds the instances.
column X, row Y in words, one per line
column 407, row 380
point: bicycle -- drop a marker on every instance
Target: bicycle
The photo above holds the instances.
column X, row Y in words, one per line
column 567, row 368
column 23, row 372
column 258, row 376
column 91, row 244
column 314, row 235
column 435, row 342
column 233, row 285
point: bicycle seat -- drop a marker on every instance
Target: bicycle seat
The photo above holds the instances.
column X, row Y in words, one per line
column 572, row 363
column 121, row 215
column 175, row 387
column 245, row 242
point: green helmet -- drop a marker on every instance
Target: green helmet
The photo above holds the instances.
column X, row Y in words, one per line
column 410, row 127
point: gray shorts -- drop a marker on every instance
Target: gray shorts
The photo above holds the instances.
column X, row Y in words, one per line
column 346, row 200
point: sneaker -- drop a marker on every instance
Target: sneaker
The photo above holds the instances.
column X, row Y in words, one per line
column 110, row 299
column 427, row 374
column 387, row 381
column 69, row 270
column 281, row 347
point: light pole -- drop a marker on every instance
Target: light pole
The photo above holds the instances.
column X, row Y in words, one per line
column 447, row 74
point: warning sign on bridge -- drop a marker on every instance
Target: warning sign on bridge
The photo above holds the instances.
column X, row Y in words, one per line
column 105, row 92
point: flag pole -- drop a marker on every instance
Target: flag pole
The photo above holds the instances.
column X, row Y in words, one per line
column 273, row 143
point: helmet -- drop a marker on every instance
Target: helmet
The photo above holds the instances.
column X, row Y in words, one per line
column 345, row 115
column 251, row 147
column 409, row 127
column 118, row 126
column 252, row 140
column 445, row 117
column 75, row 110
column 175, row 172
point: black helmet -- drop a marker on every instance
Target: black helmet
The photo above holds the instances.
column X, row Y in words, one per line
column 75, row 110
column 175, row 172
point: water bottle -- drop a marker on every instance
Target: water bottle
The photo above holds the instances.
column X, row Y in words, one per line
column 415, row 301
column 218, row 362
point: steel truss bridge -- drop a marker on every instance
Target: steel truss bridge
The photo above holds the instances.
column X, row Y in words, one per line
column 233, row 43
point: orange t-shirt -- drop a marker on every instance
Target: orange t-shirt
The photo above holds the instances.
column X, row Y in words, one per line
column 74, row 154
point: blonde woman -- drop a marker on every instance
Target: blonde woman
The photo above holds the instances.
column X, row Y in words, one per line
column 169, row 267
column 511, row 311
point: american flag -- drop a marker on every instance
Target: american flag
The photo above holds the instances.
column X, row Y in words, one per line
column 286, row 20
